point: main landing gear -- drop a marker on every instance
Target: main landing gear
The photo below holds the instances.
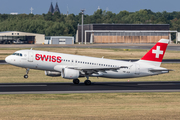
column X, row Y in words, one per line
column 76, row 81
column 86, row 82
column 26, row 75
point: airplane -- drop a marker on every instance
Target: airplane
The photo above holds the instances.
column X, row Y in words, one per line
column 75, row 66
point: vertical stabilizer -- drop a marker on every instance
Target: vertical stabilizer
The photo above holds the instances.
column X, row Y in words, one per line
column 156, row 54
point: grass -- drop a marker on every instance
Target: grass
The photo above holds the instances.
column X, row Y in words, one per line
column 107, row 53
column 12, row 74
column 103, row 106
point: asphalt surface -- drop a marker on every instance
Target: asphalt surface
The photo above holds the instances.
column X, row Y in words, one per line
column 96, row 87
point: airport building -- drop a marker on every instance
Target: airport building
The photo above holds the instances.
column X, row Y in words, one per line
column 17, row 37
column 59, row 40
column 9, row 37
column 123, row 33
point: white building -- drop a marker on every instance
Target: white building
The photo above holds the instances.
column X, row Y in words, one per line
column 59, row 40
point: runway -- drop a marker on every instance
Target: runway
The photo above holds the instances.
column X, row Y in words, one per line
column 96, row 87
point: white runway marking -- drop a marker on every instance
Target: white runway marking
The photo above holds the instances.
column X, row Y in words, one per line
column 21, row 85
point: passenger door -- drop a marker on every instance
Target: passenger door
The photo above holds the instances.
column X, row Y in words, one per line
column 30, row 56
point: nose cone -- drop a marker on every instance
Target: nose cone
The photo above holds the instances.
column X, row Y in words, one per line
column 7, row 59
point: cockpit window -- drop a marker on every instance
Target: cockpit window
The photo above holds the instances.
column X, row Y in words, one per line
column 17, row 54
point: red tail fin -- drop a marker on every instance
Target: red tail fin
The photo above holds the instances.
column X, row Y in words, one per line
column 156, row 53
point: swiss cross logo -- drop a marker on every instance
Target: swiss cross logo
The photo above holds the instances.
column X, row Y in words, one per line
column 157, row 51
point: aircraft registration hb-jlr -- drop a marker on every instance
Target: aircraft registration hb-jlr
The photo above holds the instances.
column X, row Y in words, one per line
column 75, row 66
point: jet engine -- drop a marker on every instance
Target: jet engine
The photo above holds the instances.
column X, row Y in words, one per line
column 52, row 73
column 70, row 73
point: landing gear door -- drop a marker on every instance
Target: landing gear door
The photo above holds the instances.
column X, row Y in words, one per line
column 30, row 56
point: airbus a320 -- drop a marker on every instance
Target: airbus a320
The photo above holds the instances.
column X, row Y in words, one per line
column 75, row 66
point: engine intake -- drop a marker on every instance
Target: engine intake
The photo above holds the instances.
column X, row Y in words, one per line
column 70, row 73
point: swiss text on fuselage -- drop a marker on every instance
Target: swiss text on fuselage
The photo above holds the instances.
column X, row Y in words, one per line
column 48, row 58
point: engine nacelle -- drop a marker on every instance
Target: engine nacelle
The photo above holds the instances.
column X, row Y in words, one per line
column 70, row 73
column 52, row 73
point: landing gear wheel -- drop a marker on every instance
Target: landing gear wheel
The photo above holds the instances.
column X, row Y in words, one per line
column 25, row 76
column 76, row 81
column 87, row 82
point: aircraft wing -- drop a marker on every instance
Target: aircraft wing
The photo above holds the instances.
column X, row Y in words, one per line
column 88, row 71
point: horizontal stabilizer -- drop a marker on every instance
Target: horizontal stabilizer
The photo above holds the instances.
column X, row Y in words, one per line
column 160, row 70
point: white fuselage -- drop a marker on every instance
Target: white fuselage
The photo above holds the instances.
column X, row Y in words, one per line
column 51, row 61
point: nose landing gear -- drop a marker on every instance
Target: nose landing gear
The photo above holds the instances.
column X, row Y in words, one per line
column 26, row 75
